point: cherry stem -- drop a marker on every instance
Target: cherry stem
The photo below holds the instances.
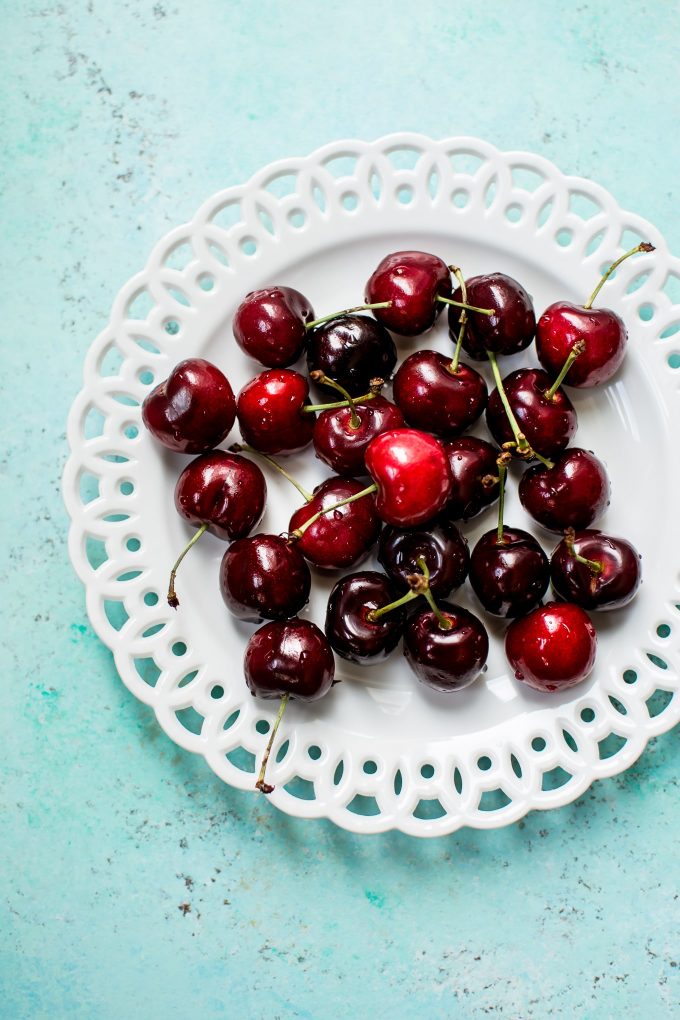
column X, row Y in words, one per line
column 172, row 595
column 260, row 784
column 502, row 461
column 421, row 586
column 355, row 421
column 595, row 566
column 544, row 460
column 578, row 349
column 240, row 447
column 375, row 614
column 645, row 246
column 347, row 311
column 453, row 367
column 310, row 408
column 459, row 304
column 299, row 532
column 522, row 445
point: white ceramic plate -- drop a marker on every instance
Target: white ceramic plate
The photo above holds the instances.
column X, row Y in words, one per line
column 381, row 751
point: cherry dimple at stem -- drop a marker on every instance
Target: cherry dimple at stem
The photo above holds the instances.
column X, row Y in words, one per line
column 172, row 595
column 243, row 448
column 578, row 349
column 299, row 532
column 645, row 246
column 260, row 784
column 348, row 311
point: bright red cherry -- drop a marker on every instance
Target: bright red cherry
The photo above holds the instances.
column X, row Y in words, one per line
column 546, row 418
column 264, row 577
column 352, row 350
column 475, row 477
column 351, row 628
column 342, row 537
column 571, row 493
column 269, row 325
column 552, row 648
column 509, row 576
column 508, row 330
column 412, row 281
column 341, row 437
column 439, row 544
column 595, row 571
column 601, row 330
column 412, row 474
column 446, row 650
column 193, row 410
column 434, row 396
column 270, row 412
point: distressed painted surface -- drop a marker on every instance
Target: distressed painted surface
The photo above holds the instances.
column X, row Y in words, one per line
column 134, row 883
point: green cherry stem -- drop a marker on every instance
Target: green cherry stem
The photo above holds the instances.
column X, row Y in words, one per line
column 595, row 566
column 375, row 614
column 241, row 448
column 503, row 460
column 645, row 246
column 453, row 367
column 355, row 421
column 520, row 439
column 311, row 408
column 460, row 304
column 172, row 595
column 420, row 584
column 260, row 784
column 578, row 349
column 347, row 311
column 299, row 532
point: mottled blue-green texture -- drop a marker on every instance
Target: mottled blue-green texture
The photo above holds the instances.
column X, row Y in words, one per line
column 134, row 883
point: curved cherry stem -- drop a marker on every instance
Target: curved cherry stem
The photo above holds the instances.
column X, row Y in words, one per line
column 241, row 448
column 576, row 351
column 453, row 367
column 645, row 246
column 595, row 566
column 520, row 439
column 299, row 532
column 311, row 408
column 347, row 311
column 374, row 615
column 420, row 584
column 260, row 784
column 172, row 595
column 503, row 460
column 355, row 421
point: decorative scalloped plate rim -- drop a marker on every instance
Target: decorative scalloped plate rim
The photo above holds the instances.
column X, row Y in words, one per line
column 343, row 191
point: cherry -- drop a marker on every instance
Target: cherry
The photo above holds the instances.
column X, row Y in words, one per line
column 335, row 528
column 439, row 544
column 271, row 412
column 545, row 415
column 447, row 648
column 342, row 435
column 412, row 476
column 352, row 350
column 193, row 410
column 572, row 492
column 594, row 570
column 602, row 331
column 412, row 281
column 511, row 326
column 552, row 648
column 221, row 493
column 269, row 325
column 352, row 628
column 434, row 395
column 475, row 482
column 287, row 659
column 264, row 577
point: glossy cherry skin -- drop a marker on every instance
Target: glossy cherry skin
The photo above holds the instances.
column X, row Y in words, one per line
column 289, row 657
column 352, row 350
column 412, row 473
column 434, row 398
column 269, row 325
column 342, row 447
column 571, row 494
column 224, row 491
column 604, row 333
column 548, row 424
column 447, row 660
column 471, row 461
column 343, row 537
column 510, row 578
column 411, row 280
column 552, row 648
column 351, row 634
column 270, row 413
column 439, row 543
column 575, row 582
column 264, row 577
column 193, row 411
column 509, row 330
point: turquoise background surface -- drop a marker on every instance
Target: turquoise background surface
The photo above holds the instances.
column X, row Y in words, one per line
column 134, row 883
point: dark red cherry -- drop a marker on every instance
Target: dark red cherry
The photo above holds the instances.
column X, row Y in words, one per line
column 509, row 330
column 270, row 412
column 193, row 410
column 412, row 281
column 439, row 543
column 552, row 648
column 549, row 423
column 269, row 325
column 475, row 477
column 608, row 579
column 350, row 630
column 289, row 657
column 434, row 398
column 572, row 493
column 264, row 577
column 224, row 491
column 447, row 660
column 563, row 324
column 412, row 475
column 342, row 537
column 511, row 577
column 341, row 445
column 352, row 350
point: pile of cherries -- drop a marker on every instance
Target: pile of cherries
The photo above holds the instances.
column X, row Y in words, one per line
column 425, row 475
